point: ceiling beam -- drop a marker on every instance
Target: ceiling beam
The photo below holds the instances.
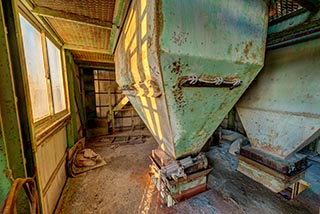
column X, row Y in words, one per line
column 94, row 63
column 82, row 60
column 86, row 49
column 97, row 65
column 311, row 5
column 72, row 17
column 93, row 59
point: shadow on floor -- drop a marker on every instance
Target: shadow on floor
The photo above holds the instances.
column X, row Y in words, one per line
column 124, row 186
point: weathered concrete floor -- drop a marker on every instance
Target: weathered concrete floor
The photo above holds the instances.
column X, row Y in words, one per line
column 124, row 186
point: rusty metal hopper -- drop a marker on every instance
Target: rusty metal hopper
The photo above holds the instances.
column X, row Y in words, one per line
column 281, row 110
column 184, row 64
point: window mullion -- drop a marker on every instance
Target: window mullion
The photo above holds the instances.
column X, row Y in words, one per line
column 47, row 70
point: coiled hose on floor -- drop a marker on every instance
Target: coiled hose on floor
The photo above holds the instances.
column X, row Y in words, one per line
column 30, row 187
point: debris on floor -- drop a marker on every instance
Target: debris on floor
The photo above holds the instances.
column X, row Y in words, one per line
column 235, row 139
column 124, row 186
column 116, row 140
column 81, row 159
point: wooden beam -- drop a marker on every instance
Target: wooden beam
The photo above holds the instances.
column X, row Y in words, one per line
column 85, row 49
column 59, row 14
column 311, row 5
column 84, row 61
column 99, row 66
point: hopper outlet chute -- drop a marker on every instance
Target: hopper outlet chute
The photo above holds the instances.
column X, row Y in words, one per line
column 184, row 64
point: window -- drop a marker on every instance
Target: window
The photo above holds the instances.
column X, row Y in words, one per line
column 54, row 58
column 45, row 78
column 103, row 83
column 35, row 68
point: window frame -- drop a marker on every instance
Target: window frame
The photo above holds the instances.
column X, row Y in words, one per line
column 47, row 120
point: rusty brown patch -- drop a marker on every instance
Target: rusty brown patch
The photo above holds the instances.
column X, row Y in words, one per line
column 268, row 147
column 247, row 49
column 177, row 67
column 178, row 96
column 254, row 56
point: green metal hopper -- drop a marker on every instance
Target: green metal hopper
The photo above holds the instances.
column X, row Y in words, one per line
column 184, row 64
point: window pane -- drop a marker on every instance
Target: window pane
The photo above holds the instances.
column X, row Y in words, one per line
column 56, row 76
column 35, row 69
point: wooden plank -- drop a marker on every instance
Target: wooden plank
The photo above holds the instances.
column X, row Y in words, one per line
column 121, row 104
column 50, row 161
column 85, row 49
column 95, row 65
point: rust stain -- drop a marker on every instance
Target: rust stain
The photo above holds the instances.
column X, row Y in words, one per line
column 254, row 56
column 178, row 96
column 268, row 147
column 177, row 67
column 179, row 38
column 247, row 49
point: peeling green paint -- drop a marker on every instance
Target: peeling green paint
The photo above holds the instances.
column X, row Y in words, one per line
column 12, row 161
column 119, row 7
column 5, row 182
column 170, row 39
column 72, row 126
column 14, row 41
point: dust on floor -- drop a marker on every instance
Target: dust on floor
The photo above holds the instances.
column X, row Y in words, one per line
column 124, row 186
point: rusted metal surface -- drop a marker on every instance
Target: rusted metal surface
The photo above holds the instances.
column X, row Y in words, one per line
column 268, row 177
column 290, row 166
column 208, row 81
column 162, row 42
column 176, row 185
column 301, row 32
column 190, row 192
column 281, row 110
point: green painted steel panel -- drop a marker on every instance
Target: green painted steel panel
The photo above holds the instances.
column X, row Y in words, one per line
column 166, row 40
column 12, row 159
column 72, row 126
column 5, row 182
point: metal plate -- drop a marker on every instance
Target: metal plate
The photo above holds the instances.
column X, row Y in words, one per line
column 281, row 110
column 162, row 42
